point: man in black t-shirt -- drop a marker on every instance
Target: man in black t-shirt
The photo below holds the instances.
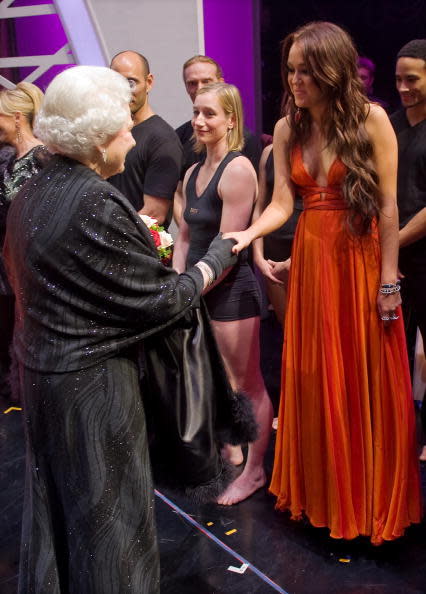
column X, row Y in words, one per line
column 198, row 72
column 152, row 167
column 410, row 127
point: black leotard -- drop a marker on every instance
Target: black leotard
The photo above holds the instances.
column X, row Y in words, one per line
column 237, row 297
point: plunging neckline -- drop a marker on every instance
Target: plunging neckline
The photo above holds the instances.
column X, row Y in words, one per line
column 197, row 195
column 305, row 170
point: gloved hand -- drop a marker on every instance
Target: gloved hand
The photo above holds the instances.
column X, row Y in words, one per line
column 219, row 255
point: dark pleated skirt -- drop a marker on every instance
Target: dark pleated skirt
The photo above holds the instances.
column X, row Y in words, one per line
column 88, row 525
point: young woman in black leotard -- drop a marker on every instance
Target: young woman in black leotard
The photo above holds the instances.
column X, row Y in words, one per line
column 219, row 194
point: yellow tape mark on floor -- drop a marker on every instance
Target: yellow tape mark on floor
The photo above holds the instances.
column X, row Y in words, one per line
column 10, row 409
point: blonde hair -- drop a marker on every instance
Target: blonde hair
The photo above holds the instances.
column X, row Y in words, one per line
column 25, row 98
column 230, row 101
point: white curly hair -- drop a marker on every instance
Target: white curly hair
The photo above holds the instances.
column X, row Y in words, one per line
column 83, row 107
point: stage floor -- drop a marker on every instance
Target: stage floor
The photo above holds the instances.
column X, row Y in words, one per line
column 198, row 544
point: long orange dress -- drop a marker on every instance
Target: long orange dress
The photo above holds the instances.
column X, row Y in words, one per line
column 345, row 451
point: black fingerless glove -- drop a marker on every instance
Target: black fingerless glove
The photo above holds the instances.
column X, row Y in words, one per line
column 219, row 255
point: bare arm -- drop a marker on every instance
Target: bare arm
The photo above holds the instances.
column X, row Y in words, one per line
column 260, row 203
column 281, row 207
column 414, row 230
column 178, row 204
column 385, row 157
column 157, row 208
column 263, row 265
column 238, row 190
column 180, row 252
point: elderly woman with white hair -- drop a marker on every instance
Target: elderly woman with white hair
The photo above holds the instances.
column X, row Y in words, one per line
column 89, row 287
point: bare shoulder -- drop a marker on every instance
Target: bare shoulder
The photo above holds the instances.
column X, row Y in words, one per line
column 239, row 176
column 189, row 171
column 376, row 116
column 240, row 167
column 282, row 129
column 188, row 174
column 380, row 129
column 265, row 154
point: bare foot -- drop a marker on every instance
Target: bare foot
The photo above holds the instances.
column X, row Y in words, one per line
column 243, row 486
column 233, row 454
column 422, row 456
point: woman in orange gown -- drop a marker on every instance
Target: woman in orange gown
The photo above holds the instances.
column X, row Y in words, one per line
column 345, row 453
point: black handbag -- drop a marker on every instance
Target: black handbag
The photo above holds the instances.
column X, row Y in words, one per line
column 191, row 408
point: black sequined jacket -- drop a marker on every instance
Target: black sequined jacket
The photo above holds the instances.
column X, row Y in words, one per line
column 85, row 271
column 88, row 284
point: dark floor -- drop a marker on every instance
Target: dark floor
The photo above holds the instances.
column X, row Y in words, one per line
column 283, row 556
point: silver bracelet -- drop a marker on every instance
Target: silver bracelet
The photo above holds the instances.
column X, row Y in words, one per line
column 390, row 288
column 208, row 272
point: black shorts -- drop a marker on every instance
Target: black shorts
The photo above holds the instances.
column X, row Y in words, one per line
column 277, row 245
column 237, row 297
column 276, row 248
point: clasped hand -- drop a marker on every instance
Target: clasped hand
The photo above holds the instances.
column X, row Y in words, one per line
column 243, row 239
column 280, row 271
column 387, row 304
column 277, row 272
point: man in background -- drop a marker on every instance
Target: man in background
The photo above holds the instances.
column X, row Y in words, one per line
column 366, row 72
column 153, row 166
column 410, row 126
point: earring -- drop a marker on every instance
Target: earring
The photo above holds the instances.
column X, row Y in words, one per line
column 104, row 155
column 298, row 115
column 18, row 133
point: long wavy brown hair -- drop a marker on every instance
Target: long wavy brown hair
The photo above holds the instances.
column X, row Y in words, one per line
column 331, row 56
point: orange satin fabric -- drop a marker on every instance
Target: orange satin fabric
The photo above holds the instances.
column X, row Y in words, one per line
column 345, row 451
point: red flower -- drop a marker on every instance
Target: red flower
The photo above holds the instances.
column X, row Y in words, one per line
column 159, row 236
column 156, row 237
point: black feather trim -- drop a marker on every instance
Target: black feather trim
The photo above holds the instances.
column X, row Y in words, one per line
column 241, row 426
column 206, row 492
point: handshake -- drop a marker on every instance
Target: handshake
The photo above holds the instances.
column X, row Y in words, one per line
column 220, row 256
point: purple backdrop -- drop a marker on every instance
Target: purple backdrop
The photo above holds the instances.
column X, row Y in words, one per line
column 38, row 35
column 229, row 39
